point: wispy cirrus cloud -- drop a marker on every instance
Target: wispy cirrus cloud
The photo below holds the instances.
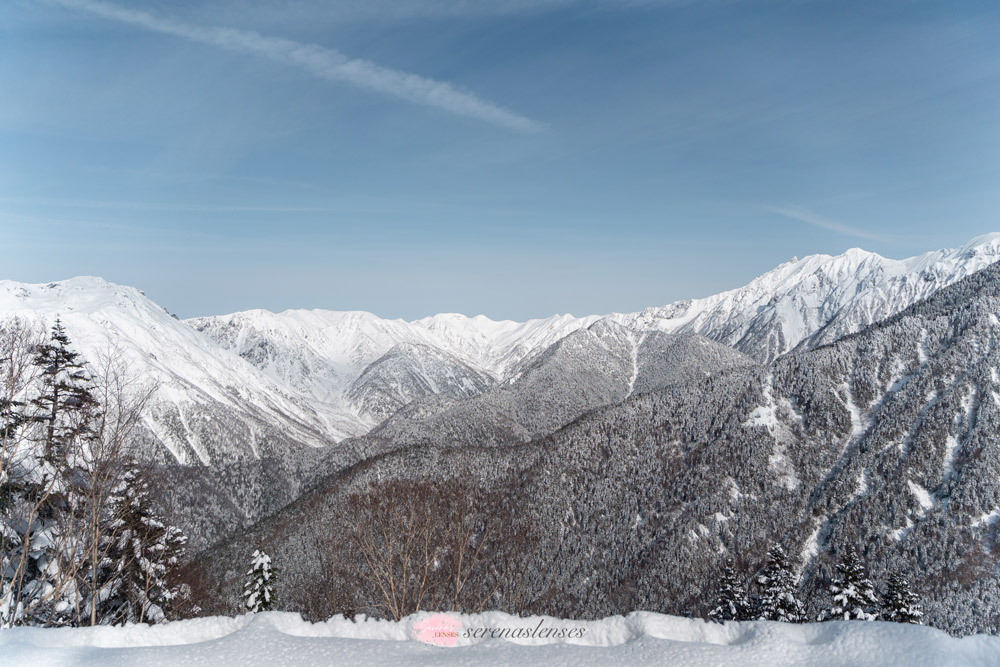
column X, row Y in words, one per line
column 160, row 206
column 349, row 10
column 816, row 220
column 321, row 62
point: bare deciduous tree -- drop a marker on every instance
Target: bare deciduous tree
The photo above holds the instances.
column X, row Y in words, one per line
column 18, row 342
column 103, row 463
column 67, row 428
column 413, row 546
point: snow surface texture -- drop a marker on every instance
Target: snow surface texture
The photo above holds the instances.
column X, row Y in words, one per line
column 642, row 638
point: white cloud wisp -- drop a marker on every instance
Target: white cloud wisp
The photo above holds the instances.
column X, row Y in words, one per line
column 323, row 63
column 810, row 218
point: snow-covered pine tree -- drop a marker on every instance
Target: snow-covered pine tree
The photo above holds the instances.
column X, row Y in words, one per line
column 777, row 590
column 258, row 594
column 141, row 551
column 853, row 593
column 66, row 407
column 62, row 413
column 900, row 604
column 732, row 602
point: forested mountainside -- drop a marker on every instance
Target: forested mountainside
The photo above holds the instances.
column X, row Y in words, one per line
column 620, row 450
column 258, row 384
column 590, row 368
column 884, row 440
column 586, row 370
column 340, row 361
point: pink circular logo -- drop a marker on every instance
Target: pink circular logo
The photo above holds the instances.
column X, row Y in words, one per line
column 439, row 629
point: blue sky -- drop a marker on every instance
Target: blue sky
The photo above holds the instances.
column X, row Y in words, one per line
column 513, row 158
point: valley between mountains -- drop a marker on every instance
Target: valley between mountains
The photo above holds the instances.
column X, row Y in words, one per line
column 833, row 402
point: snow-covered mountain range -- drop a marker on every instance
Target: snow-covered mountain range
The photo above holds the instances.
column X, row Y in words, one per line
column 253, row 383
column 210, row 405
column 883, row 441
column 326, row 355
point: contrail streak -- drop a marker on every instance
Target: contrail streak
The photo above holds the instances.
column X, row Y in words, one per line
column 810, row 218
column 321, row 62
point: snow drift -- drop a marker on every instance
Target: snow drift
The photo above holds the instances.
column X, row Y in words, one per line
column 277, row 639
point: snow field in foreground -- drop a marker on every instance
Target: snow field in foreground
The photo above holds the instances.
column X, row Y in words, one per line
column 641, row 638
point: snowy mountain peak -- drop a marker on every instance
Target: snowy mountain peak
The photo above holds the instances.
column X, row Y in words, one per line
column 327, row 374
column 988, row 244
column 81, row 294
column 323, row 354
column 837, row 295
column 200, row 385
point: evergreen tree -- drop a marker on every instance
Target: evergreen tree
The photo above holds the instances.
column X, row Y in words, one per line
column 853, row 593
column 732, row 602
column 133, row 584
column 777, row 585
column 65, row 406
column 258, row 594
column 62, row 416
column 900, row 604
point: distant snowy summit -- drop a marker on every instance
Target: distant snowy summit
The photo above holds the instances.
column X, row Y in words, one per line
column 810, row 301
column 254, row 383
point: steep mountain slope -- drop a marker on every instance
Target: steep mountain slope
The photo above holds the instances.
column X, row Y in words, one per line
column 311, row 377
column 316, row 353
column 588, row 369
column 808, row 302
column 839, row 295
column 884, row 440
column 211, row 406
column 667, row 359
column 342, row 360
column 584, row 370
column 410, row 371
column 499, row 347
